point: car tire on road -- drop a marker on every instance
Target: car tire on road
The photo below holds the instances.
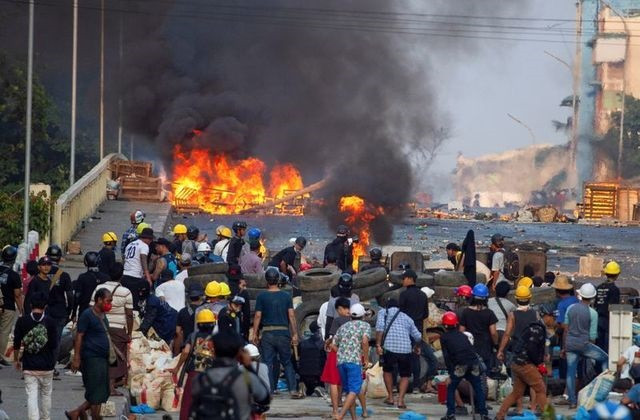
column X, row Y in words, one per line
column 317, row 279
column 423, row 280
column 318, row 297
column 304, row 310
column 209, row 268
column 255, row 281
column 204, row 279
column 370, row 277
column 372, row 292
column 450, row 278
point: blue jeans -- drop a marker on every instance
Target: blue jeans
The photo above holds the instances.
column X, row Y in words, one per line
column 472, row 375
column 426, row 352
column 590, row 351
column 277, row 346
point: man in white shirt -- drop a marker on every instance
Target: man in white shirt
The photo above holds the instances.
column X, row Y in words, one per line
column 136, row 265
column 185, row 263
column 173, row 292
column 120, row 319
column 222, row 246
column 630, row 357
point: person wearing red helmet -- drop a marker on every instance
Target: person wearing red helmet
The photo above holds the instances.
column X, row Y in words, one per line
column 462, row 363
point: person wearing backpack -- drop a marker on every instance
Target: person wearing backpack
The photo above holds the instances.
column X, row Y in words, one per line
column 226, row 390
column 10, row 297
column 528, row 337
column 37, row 333
column 497, row 261
column 156, row 313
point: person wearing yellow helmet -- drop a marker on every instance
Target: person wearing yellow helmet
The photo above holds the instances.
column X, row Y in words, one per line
column 179, row 235
column 525, row 281
column 212, row 298
column 107, row 255
column 607, row 294
column 222, row 246
column 197, row 356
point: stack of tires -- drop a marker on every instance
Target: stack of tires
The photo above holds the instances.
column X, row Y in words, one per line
column 205, row 273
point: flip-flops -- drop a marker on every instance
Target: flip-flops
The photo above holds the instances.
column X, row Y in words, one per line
column 387, row 402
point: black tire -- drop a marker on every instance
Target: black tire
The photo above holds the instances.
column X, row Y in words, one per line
column 255, row 281
column 370, row 277
column 394, row 293
column 254, row 292
column 423, row 280
column 450, row 278
column 317, row 279
column 304, row 310
column 444, row 292
column 204, row 279
column 372, row 292
column 318, row 297
column 209, row 268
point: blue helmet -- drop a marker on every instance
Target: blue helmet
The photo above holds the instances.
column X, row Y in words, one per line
column 636, row 340
column 610, row 410
column 480, row 291
column 254, row 233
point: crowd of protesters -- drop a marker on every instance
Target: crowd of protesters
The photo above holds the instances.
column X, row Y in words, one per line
column 210, row 327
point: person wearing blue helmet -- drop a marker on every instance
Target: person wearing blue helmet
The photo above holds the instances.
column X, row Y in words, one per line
column 480, row 321
column 254, row 233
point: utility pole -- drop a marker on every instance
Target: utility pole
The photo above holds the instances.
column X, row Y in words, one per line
column 533, row 137
column 576, row 73
column 101, row 79
column 27, row 145
column 120, row 87
column 74, row 75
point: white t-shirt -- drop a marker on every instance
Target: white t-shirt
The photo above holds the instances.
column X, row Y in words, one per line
column 497, row 264
column 502, row 319
column 121, row 300
column 182, row 275
column 173, row 293
column 322, row 317
column 132, row 264
column 221, row 249
column 629, row 355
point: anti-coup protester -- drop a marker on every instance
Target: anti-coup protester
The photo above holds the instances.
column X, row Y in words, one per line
column 37, row 333
column 274, row 312
column 136, row 265
column 93, row 353
column 11, row 305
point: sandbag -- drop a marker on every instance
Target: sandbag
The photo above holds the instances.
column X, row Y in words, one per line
column 135, row 383
column 170, row 398
column 597, row 390
column 152, row 390
column 434, row 319
column 375, row 382
column 505, row 389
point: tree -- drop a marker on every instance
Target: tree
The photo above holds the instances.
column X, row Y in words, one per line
column 631, row 139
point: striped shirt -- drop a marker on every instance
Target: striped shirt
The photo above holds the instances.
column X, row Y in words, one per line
column 403, row 329
column 123, row 299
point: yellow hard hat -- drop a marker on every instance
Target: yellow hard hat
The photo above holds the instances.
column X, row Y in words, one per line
column 226, row 232
column 525, row 281
column 224, row 289
column 612, row 268
column 213, row 289
column 219, row 229
column 109, row 237
column 179, row 229
column 205, row 316
column 523, row 293
column 141, row 227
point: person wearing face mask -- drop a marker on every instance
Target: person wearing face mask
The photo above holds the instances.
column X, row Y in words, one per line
column 93, row 352
column 342, row 248
column 288, row 259
column 37, row 333
column 157, row 313
column 120, row 324
column 196, row 357
column 230, row 317
column 187, row 316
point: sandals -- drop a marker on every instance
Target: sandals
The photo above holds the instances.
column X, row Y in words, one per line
column 387, row 402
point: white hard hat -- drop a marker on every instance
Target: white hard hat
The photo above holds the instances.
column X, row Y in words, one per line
column 204, row 247
column 587, row 291
column 428, row 291
column 357, row 310
column 252, row 350
column 469, row 336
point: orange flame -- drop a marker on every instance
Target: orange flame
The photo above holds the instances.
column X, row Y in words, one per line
column 218, row 184
column 358, row 215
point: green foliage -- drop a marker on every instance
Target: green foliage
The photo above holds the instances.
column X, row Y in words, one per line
column 11, row 210
column 608, row 143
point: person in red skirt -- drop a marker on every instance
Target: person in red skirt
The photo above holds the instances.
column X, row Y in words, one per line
column 330, row 374
column 197, row 356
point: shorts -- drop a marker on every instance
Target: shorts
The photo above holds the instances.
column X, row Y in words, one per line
column 351, row 377
column 400, row 360
column 330, row 374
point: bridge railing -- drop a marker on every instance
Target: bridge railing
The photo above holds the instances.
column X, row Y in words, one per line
column 81, row 200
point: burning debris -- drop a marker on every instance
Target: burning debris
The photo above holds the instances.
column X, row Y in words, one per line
column 359, row 214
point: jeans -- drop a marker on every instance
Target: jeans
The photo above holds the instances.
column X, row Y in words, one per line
column 60, row 323
column 277, row 346
column 7, row 319
column 590, row 351
column 524, row 375
column 472, row 375
column 426, row 352
column 38, row 387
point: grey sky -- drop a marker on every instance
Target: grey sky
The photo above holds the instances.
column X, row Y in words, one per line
column 507, row 77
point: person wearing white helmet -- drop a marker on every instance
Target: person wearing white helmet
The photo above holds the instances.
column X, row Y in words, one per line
column 259, row 368
column 581, row 330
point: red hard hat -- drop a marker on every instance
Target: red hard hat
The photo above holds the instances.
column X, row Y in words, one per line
column 464, row 291
column 449, row 319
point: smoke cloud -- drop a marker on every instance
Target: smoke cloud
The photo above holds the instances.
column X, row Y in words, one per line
column 340, row 95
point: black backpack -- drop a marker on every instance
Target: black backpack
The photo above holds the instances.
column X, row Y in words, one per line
column 511, row 269
column 214, row 399
column 531, row 343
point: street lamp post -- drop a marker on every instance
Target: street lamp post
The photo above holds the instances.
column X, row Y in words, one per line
column 74, row 74
column 27, row 145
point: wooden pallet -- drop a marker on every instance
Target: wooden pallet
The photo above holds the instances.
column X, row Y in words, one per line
column 140, row 188
column 130, row 167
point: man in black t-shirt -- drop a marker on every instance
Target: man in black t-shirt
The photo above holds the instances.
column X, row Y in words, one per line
column 87, row 283
column 342, row 248
column 107, row 255
column 607, row 294
column 11, row 297
column 187, row 317
column 288, row 259
column 236, row 243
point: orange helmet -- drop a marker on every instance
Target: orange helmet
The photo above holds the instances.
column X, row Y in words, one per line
column 449, row 319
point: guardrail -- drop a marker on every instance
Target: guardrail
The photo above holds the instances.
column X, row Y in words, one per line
column 81, row 200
